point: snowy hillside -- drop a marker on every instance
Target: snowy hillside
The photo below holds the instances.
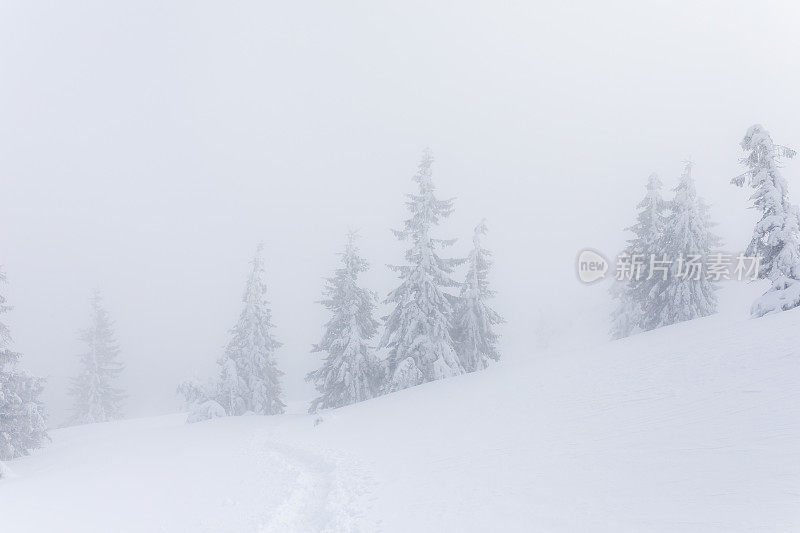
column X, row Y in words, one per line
column 693, row 427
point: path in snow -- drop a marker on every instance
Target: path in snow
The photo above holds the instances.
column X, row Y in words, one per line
column 690, row 428
column 160, row 474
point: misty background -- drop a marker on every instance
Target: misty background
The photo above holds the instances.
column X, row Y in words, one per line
column 146, row 148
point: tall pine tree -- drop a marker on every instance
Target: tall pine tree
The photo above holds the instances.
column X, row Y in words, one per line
column 776, row 237
column 687, row 293
column 636, row 309
column 95, row 397
column 417, row 334
column 22, row 415
column 473, row 332
column 350, row 372
column 249, row 376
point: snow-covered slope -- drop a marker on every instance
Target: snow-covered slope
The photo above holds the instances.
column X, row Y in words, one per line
column 694, row 427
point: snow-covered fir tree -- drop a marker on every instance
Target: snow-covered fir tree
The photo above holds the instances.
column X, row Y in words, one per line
column 635, row 309
column 350, row 372
column 776, row 237
column 249, row 376
column 686, row 293
column 95, row 397
column 473, row 328
column 417, row 334
column 22, row 415
column 201, row 400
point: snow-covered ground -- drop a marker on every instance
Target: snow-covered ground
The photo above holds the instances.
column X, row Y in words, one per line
column 694, row 427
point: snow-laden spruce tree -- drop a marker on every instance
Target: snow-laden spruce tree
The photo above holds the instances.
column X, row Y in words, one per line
column 648, row 245
column 249, row 376
column 687, row 240
column 22, row 415
column 636, row 309
column 95, row 399
column 473, row 326
column 417, row 334
column 350, row 373
column 201, row 400
column 776, row 237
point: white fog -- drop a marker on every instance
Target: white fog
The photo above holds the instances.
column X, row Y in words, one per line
column 146, row 148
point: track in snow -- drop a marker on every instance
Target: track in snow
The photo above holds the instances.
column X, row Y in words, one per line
column 160, row 474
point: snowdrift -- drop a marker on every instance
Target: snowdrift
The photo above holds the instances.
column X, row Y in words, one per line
column 694, row 427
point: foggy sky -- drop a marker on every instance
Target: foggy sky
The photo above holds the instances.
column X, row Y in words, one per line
column 145, row 148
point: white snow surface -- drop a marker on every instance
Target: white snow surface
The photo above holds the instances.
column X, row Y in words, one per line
column 692, row 427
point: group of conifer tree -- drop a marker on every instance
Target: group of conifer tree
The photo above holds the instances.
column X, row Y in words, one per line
column 674, row 231
column 437, row 328
column 95, row 398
